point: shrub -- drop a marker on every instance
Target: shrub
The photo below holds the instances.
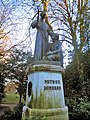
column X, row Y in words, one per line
column 15, row 114
column 79, row 108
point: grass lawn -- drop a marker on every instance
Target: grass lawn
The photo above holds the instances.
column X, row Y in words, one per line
column 11, row 98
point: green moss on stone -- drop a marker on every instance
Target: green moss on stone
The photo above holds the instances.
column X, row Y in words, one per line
column 43, row 114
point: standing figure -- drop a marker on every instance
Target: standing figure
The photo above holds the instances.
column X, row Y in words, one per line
column 43, row 32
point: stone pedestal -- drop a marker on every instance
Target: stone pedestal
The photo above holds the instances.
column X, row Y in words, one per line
column 47, row 96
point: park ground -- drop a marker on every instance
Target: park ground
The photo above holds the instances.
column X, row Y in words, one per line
column 9, row 102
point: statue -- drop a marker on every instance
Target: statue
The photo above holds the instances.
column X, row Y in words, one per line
column 43, row 32
column 54, row 53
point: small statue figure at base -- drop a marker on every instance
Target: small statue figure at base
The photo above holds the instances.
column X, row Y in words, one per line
column 54, row 53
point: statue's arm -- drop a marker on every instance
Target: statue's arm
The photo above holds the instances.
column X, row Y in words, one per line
column 53, row 52
column 50, row 32
column 34, row 24
column 56, row 51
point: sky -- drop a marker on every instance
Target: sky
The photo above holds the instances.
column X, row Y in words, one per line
column 21, row 17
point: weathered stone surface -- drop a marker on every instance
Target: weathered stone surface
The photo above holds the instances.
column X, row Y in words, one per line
column 42, row 43
column 47, row 95
column 43, row 32
column 49, row 114
column 46, row 66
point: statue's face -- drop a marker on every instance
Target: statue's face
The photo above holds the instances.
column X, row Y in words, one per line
column 55, row 37
column 43, row 14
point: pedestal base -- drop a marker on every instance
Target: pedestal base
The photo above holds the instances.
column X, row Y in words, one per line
column 46, row 114
column 45, row 93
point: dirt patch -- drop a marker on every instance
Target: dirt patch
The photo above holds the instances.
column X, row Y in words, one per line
column 4, row 107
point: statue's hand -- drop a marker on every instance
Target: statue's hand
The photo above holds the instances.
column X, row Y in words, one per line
column 34, row 24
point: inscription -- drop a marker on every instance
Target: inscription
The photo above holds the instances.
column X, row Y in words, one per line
column 52, row 85
column 52, row 81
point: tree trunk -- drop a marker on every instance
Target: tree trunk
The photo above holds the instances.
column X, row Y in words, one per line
column 20, row 98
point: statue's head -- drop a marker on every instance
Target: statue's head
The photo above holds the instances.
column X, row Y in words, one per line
column 55, row 37
column 43, row 14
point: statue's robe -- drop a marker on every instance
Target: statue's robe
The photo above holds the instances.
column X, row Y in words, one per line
column 41, row 44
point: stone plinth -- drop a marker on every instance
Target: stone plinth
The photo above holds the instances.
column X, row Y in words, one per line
column 47, row 96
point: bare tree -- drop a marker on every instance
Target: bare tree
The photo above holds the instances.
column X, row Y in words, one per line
column 73, row 17
column 70, row 18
